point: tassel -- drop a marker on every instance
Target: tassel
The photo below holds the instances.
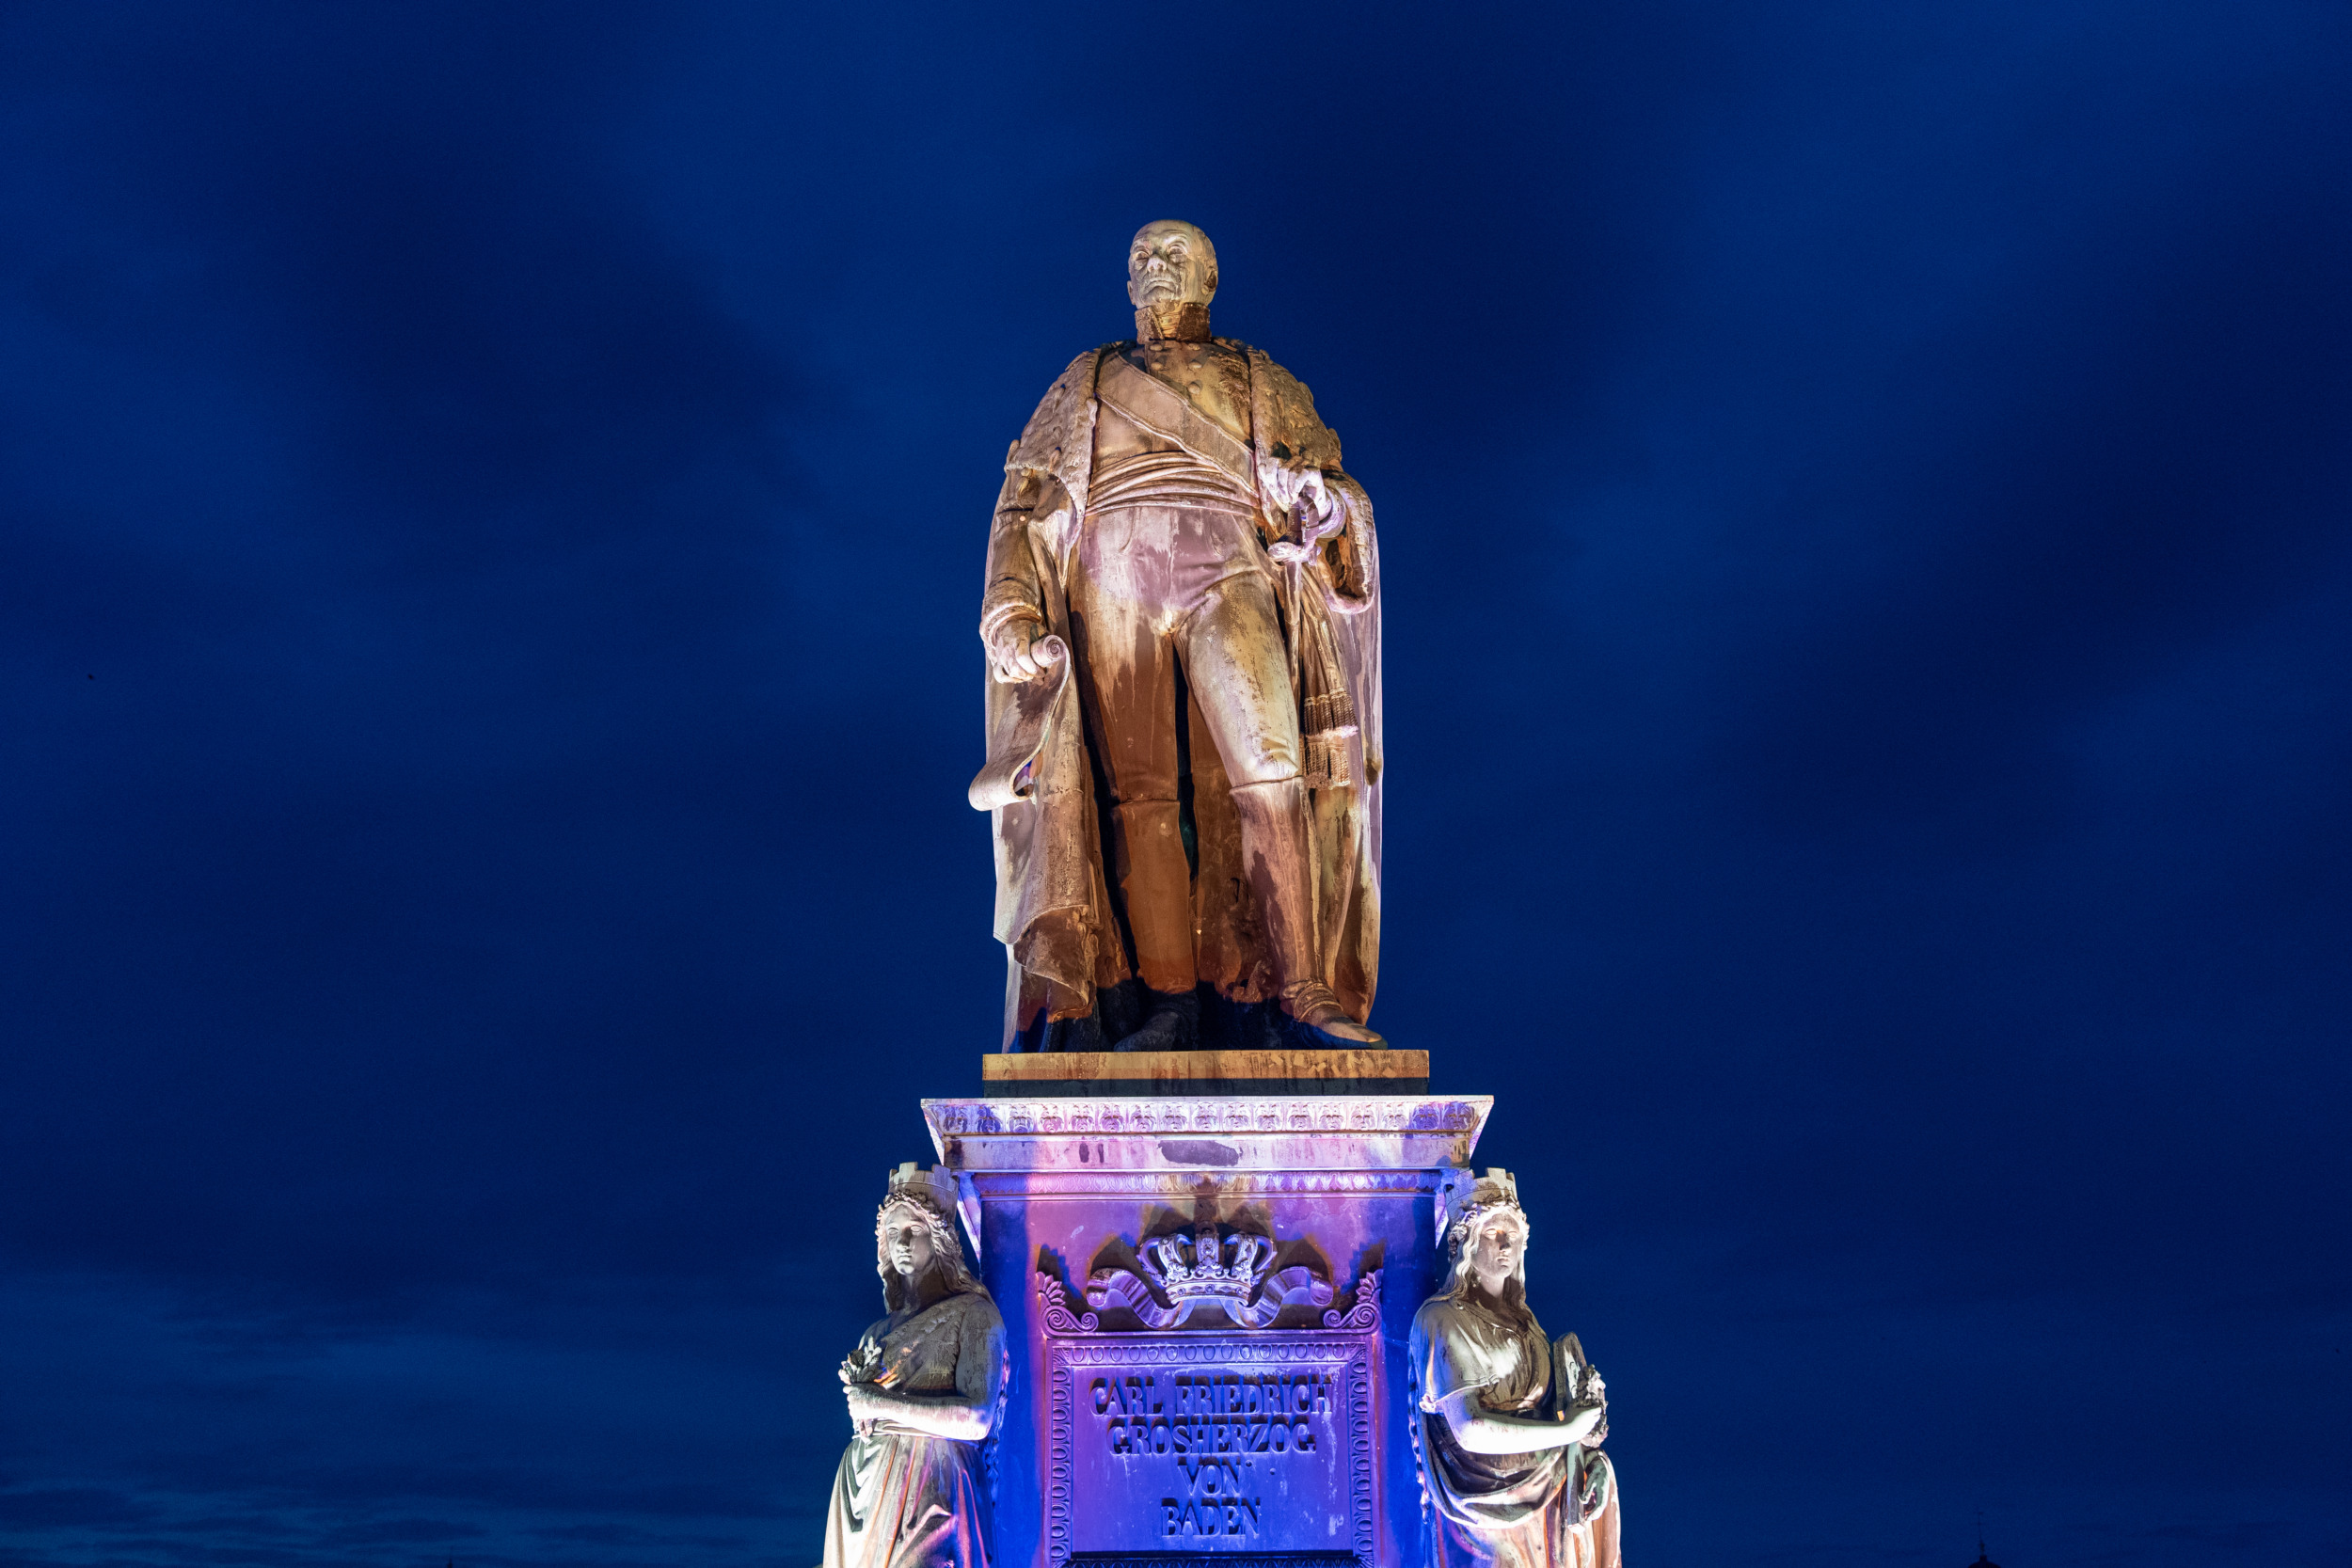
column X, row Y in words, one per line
column 1326, row 717
column 1332, row 713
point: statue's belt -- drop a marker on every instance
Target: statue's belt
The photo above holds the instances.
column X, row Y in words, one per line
column 1154, row 405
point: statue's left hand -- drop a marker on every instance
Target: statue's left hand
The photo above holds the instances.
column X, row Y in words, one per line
column 1291, row 485
column 1305, row 497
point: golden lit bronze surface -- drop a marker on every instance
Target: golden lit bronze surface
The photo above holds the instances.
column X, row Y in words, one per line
column 1181, row 616
column 1346, row 1071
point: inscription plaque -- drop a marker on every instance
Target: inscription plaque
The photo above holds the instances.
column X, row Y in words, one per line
column 1250, row 1448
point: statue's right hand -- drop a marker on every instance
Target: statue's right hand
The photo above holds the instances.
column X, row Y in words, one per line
column 1020, row 649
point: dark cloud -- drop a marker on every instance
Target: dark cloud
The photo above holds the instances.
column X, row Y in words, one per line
column 68, row 1506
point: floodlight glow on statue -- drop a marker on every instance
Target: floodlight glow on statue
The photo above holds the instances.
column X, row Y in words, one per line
column 1182, row 624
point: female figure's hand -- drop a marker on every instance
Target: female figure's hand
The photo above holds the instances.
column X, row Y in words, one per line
column 867, row 1404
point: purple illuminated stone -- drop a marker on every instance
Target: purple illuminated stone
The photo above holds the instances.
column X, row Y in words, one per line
column 1206, row 1301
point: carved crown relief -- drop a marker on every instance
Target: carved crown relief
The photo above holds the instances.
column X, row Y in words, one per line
column 1178, row 1273
column 1232, row 1271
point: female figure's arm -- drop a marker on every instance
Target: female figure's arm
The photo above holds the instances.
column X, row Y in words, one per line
column 1451, row 1376
column 962, row 1414
column 1482, row 1431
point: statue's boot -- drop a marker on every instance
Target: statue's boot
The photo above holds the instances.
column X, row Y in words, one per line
column 1274, row 848
column 1323, row 1021
column 1174, row 1023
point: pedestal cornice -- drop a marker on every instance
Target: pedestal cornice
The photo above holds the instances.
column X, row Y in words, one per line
column 1206, row 1134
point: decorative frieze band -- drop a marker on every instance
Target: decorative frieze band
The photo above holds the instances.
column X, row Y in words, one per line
column 1213, row 1134
column 1220, row 1114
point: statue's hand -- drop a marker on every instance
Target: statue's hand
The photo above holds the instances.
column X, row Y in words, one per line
column 1294, row 485
column 1018, row 649
column 864, row 1401
column 1306, row 500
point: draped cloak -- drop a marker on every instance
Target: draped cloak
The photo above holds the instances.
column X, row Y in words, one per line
column 1040, row 784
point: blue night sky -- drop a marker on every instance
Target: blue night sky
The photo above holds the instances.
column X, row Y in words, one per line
column 491, row 503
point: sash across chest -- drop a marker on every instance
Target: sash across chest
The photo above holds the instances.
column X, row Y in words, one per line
column 1152, row 404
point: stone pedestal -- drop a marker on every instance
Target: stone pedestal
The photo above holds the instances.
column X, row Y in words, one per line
column 1207, row 1298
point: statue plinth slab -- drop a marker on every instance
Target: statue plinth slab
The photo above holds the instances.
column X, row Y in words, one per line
column 1207, row 1300
column 1205, row 1072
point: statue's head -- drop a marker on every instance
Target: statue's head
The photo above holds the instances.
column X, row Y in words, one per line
column 905, row 1242
column 1170, row 263
column 915, row 1250
column 1497, row 1248
column 1486, row 1240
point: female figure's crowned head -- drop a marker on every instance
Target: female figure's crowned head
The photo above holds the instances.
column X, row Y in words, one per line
column 916, row 1248
column 1487, row 1244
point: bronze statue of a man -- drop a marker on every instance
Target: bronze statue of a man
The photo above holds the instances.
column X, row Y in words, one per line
column 1181, row 622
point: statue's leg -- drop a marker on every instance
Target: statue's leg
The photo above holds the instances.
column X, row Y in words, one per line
column 1240, row 677
column 1129, row 693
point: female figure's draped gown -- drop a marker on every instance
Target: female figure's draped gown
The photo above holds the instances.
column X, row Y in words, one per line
column 904, row 1498
column 1554, row 1507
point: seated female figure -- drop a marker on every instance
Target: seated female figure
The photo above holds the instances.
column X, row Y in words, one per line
column 1511, row 1422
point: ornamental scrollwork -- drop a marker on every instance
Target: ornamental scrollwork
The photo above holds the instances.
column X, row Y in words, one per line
column 1054, row 1306
column 1177, row 1274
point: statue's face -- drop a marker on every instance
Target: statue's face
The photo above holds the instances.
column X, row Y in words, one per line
column 910, row 1242
column 1170, row 263
column 1497, row 1248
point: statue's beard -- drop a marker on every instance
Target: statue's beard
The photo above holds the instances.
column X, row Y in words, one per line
column 1183, row 321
